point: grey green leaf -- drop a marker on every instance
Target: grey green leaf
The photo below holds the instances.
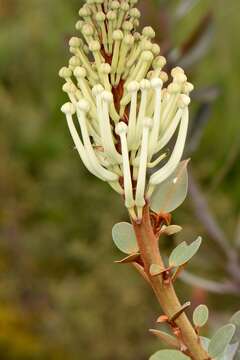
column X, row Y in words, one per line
column 221, row 340
column 171, row 193
column 229, row 353
column 183, row 253
column 235, row 320
column 200, row 315
column 124, row 238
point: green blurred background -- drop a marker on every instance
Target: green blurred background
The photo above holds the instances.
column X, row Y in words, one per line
column 61, row 295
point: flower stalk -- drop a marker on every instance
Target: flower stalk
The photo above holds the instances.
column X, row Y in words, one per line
column 164, row 290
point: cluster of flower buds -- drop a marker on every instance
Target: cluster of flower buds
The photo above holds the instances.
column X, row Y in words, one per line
column 126, row 116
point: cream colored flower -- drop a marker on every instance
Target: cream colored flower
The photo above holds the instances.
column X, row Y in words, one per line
column 126, row 116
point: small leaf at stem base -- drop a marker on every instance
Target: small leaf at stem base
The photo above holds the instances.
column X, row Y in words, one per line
column 171, row 229
column 162, row 319
column 156, row 269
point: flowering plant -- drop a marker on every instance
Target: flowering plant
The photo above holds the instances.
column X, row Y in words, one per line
column 128, row 111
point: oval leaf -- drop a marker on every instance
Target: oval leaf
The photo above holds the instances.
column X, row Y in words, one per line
column 169, row 355
column 124, row 238
column 171, row 193
column 178, row 254
column 200, row 315
column 221, row 340
column 183, row 253
column 235, row 320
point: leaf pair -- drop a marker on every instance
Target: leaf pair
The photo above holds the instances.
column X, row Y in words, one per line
column 125, row 240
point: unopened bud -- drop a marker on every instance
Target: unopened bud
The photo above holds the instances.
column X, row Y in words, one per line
column 68, row 109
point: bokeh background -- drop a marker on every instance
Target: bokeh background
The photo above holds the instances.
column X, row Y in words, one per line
column 61, row 295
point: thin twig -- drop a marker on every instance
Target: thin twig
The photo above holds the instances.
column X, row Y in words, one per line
column 209, row 285
column 228, row 165
column 213, row 229
column 185, row 7
column 237, row 235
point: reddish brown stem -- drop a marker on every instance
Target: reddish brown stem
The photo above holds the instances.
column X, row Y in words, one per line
column 164, row 290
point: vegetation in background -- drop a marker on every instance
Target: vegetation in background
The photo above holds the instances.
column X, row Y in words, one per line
column 50, row 307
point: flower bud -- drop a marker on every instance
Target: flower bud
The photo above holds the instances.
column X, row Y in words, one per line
column 68, row 109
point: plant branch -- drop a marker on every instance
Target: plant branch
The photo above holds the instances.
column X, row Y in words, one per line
column 211, row 286
column 164, row 290
column 237, row 235
column 204, row 214
column 228, row 165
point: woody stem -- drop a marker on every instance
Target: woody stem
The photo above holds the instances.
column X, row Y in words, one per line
column 164, row 291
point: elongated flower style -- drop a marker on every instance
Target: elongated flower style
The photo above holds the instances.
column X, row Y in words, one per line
column 126, row 116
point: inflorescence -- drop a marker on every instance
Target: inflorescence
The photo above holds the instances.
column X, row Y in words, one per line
column 126, row 116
